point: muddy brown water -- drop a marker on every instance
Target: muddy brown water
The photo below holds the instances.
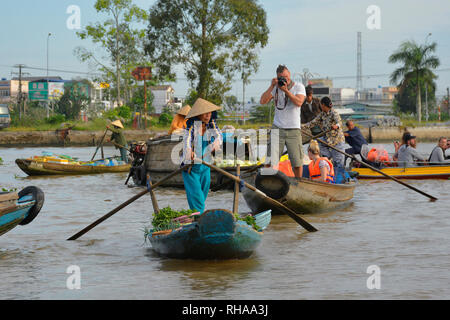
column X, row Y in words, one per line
column 387, row 225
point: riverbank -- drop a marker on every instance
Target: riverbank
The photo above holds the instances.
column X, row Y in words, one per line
column 56, row 138
column 91, row 138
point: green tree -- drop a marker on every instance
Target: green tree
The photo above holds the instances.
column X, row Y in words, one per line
column 74, row 99
column 212, row 39
column 262, row 113
column 417, row 64
column 122, row 43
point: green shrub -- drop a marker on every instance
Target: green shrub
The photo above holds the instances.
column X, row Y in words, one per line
column 165, row 119
column 56, row 119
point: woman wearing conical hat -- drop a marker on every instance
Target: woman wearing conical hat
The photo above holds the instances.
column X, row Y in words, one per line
column 202, row 136
column 118, row 139
column 179, row 121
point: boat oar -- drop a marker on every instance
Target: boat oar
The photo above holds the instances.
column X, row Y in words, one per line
column 376, row 170
column 123, row 205
column 100, row 144
column 289, row 212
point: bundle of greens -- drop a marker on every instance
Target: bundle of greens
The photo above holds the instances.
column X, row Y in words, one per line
column 249, row 219
column 163, row 220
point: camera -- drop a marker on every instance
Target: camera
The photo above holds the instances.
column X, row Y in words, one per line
column 281, row 81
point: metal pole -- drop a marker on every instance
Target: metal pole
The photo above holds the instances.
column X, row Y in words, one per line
column 426, row 101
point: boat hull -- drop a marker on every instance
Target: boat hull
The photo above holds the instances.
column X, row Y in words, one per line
column 419, row 173
column 216, row 235
column 19, row 208
column 300, row 195
column 34, row 168
column 163, row 157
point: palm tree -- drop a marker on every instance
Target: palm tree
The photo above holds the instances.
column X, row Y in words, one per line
column 417, row 65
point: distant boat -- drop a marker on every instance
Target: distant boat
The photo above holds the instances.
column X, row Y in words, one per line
column 301, row 195
column 35, row 167
column 19, row 208
column 420, row 172
column 215, row 235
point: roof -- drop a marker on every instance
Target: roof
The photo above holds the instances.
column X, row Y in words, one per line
column 39, row 79
column 161, row 88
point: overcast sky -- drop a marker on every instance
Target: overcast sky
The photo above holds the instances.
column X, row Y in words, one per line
column 316, row 34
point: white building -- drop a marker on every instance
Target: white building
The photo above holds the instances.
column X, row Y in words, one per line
column 162, row 95
column 341, row 96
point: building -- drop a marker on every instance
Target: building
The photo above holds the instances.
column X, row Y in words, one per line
column 388, row 94
column 321, row 82
column 342, row 96
column 9, row 90
column 162, row 96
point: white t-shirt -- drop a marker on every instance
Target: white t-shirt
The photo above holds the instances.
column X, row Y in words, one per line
column 287, row 114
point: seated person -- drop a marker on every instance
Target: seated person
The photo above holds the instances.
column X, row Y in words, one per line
column 354, row 138
column 179, row 121
column 407, row 153
column 448, row 148
column 437, row 156
column 320, row 168
column 397, row 145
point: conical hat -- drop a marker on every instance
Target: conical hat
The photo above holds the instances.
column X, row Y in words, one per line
column 185, row 110
column 201, row 106
column 117, row 123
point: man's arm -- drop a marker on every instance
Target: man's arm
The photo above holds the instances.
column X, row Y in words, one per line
column 416, row 154
column 297, row 99
column 267, row 95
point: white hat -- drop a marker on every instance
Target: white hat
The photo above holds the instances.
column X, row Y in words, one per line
column 201, row 106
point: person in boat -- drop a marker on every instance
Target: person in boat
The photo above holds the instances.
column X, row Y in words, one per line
column 310, row 109
column 179, row 121
column 118, row 139
column 437, row 156
column 354, row 138
column 320, row 168
column 398, row 144
column 201, row 138
column 448, row 148
column 288, row 97
column 407, row 153
column 330, row 121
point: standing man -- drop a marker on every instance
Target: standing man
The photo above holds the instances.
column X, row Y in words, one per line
column 288, row 97
column 310, row 109
column 118, row 139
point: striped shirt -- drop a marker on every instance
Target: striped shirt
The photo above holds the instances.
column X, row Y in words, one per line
column 193, row 141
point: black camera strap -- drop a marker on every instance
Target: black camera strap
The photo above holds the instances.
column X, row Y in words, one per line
column 286, row 99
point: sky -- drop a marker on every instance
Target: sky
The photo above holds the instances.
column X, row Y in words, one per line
column 318, row 35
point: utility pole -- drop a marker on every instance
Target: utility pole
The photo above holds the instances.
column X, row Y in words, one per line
column 20, row 94
column 243, row 99
column 448, row 100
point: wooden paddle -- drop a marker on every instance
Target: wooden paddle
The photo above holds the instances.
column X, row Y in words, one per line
column 100, row 144
column 376, row 170
column 289, row 212
column 123, row 205
column 236, row 191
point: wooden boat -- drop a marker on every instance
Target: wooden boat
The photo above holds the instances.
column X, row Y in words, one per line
column 421, row 172
column 301, row 195
column 163, row 157
column 216, row 234
column 35, row 167
column 19, row 208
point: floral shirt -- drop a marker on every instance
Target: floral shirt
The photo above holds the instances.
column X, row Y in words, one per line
column 326, row 120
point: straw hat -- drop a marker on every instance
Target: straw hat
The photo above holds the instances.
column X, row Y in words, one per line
column 185, row 110
column 117, row 123
column 201, row 106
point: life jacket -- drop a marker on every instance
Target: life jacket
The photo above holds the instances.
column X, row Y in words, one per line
column 314, row 170
column 285, row 166
column 376, row 155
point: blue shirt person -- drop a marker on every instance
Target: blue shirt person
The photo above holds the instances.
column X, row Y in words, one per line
column 354, row 138
column 202, row 136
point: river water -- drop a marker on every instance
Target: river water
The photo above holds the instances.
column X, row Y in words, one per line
column 400, row 232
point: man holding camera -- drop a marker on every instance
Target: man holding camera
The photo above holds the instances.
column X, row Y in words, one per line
column 288, row 97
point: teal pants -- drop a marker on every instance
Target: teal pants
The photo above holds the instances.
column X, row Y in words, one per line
column 197, row 185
